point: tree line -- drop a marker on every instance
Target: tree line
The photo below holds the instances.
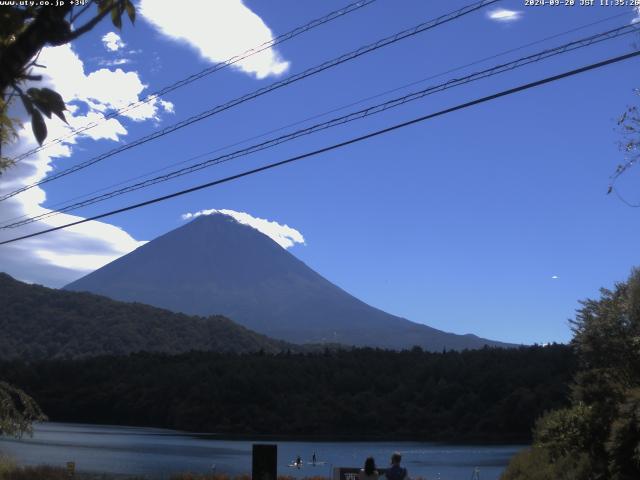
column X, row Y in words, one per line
column 487, row 395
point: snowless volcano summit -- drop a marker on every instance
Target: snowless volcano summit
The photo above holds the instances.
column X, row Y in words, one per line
column 215, row 265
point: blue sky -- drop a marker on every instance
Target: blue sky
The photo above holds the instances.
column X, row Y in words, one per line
column 460, row 222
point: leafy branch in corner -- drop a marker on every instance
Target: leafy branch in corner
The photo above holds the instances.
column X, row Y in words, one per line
column 24, row 31
column 38, row 101
column 17, row 411
column 629, row 126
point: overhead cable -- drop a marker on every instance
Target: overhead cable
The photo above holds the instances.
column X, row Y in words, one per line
column 60, row 204
column 357, row 115
column 201, row 74
column 269, row 88
column 336, row 146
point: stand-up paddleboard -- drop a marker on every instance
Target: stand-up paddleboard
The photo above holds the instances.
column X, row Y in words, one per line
column 314, row 464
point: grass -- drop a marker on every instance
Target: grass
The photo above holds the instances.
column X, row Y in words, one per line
column 43, row 472
column 10, row 471
column 222, row 476
column 6, row 465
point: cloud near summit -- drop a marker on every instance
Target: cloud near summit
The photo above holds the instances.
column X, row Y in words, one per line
column 220, row 30
column 283, row 235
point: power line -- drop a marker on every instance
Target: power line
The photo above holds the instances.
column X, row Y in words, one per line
column 476, row 62
column 203, row 73
column 374, row 109
column 276, row 85
column 335, row 146
column 56, row 206
column 320, row 115
column 624, row 200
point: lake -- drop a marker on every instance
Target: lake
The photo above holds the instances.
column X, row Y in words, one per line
column 157, row 453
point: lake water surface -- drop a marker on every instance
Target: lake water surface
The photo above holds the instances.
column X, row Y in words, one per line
column 157, row 453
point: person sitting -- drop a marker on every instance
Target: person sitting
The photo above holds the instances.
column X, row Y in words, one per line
column 396, row 472
column 369, row 471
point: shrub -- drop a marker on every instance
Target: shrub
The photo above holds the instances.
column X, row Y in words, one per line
column 566, row 431
column 42, row 472
column 536, row 464
column 7, row 464
column 623, row 447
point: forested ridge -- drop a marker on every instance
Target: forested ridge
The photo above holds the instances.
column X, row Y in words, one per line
column 489, row 394
column 40, row 323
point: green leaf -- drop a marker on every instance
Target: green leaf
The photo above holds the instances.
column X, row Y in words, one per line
column 48, row 101
column 61, row 116
column 116, row 16
column 38, row 125
column 131, row 10
column 55, row 102
column 104, row 5
column 38, row 101
column 58, row 32
column 28, row 104
column 43, row 107
column 12, row 20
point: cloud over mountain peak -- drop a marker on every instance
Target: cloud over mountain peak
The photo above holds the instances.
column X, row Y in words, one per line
column 283, row 235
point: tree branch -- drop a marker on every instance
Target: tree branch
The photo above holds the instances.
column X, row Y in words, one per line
column 87, row 26
column 38, row 33
column 73, row 18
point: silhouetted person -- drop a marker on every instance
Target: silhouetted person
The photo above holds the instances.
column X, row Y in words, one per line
column 369, row 471
column 313, row 458
column 396, row 472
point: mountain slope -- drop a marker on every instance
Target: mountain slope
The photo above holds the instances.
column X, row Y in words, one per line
column 38, row 322
column 216, row 265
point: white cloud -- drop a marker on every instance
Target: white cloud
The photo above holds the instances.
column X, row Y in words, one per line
column 115, row 63
column 503, row 15
column 168, row 106
column 637, row 19
column 555, row 277
column 57, row 258
column 221, row 29
column 112, row 42
column 101, row 90
column 283, row 235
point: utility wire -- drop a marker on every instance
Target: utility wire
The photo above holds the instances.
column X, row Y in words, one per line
column 374, row 109
column 336, row 146
column 56, row 206
column 203, row 73
column 287, row 81
column 624, row 200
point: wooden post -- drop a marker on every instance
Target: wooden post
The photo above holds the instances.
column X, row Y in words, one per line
column 264, row 462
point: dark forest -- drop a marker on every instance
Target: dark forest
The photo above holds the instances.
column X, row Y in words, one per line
column 480, row 395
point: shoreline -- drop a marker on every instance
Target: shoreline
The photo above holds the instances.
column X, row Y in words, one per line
column 471, row 440
column 128, row 452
